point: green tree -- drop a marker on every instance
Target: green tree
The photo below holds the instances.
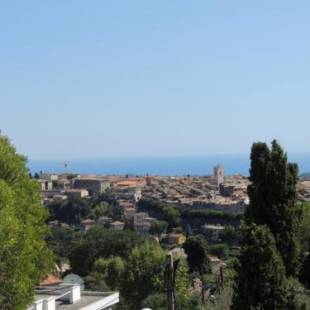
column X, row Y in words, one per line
column 305, row 272
column 196, row 248
column 95, row 281
column 71, row 211
column 305, row 227
column 158, row 227
column 111, row 269
column 219, row 249
column 98, row 242
column 143, row 274
column 61, row 239
column 165, row 212
column 24, row 257
column 158, row 301
column 99, row 210
column 231, row 235
column 183, row 280
column 172, row 216
column 273, row 200
column 261, row 281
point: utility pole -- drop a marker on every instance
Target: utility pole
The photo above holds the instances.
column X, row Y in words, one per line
column 169, row 281
column 170, row 275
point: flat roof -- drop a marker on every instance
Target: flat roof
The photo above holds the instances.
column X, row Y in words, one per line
column 100, row 300
column 84, row 301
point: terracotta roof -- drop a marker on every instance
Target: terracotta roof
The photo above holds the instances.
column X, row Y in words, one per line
column 51, row 280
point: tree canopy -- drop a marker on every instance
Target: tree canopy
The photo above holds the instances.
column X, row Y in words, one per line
column 196, row 248
column 143, row 274
column 99, row 242
column 261, row 279
column 24, row 257
column 273, row 200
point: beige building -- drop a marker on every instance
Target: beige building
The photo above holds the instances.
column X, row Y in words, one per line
column 95, row 186
column 87, row 224
column 77, row 193
column 117, row 225
column 138, row 221
column 129, row 213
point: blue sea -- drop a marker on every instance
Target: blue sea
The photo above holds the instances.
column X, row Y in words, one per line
column 161, row 166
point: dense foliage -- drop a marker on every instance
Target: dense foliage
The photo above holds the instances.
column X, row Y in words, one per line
column 305, row 272
column 24, row 258
column 196, row 248
column 99, row 242
column 261, row 280
column 158, row 227
column 136, row 275
column 185, row 302
column 273, row 200
column 207, row 214
column 61, row 240
column 164, row 211
column 271, row 247
column 143, row 274
column 73, row 210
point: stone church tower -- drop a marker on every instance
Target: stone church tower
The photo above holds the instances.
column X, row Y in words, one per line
column 218, row 175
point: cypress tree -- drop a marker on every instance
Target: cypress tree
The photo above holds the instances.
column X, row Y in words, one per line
column 305, row 272
column 273, row 200
column 261, row 280
column 196, row 249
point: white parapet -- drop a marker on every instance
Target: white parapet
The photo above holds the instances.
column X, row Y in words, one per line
column 49, row 303
column 75, row 294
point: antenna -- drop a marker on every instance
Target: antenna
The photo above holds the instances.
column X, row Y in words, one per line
column 66, row 164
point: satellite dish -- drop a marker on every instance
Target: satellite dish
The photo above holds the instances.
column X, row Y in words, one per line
column 72, row 278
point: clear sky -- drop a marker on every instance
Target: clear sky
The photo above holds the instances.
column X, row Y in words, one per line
column 153, row 78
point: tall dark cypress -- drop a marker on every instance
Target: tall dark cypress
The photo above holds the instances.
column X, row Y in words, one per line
column 261, row 281
column 273, row 200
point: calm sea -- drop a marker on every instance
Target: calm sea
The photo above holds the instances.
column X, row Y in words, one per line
column 174, row 166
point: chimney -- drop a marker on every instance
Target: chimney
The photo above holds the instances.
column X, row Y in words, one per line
column 75, row 294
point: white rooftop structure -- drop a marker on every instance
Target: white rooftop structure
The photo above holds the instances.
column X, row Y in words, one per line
column 70, row 297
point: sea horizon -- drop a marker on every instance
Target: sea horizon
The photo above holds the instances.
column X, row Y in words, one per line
column 159, row 165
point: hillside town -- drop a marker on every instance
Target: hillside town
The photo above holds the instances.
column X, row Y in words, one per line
column 227, row 194
column 217, row 192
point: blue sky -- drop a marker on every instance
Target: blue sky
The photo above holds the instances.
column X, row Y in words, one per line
column 153, row 78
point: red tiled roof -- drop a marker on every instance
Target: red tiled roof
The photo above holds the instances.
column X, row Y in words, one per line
column 51, row 280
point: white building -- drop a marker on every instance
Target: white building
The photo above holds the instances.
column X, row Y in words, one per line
column 49, row 176
column 45, row 185
column 70, row 297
